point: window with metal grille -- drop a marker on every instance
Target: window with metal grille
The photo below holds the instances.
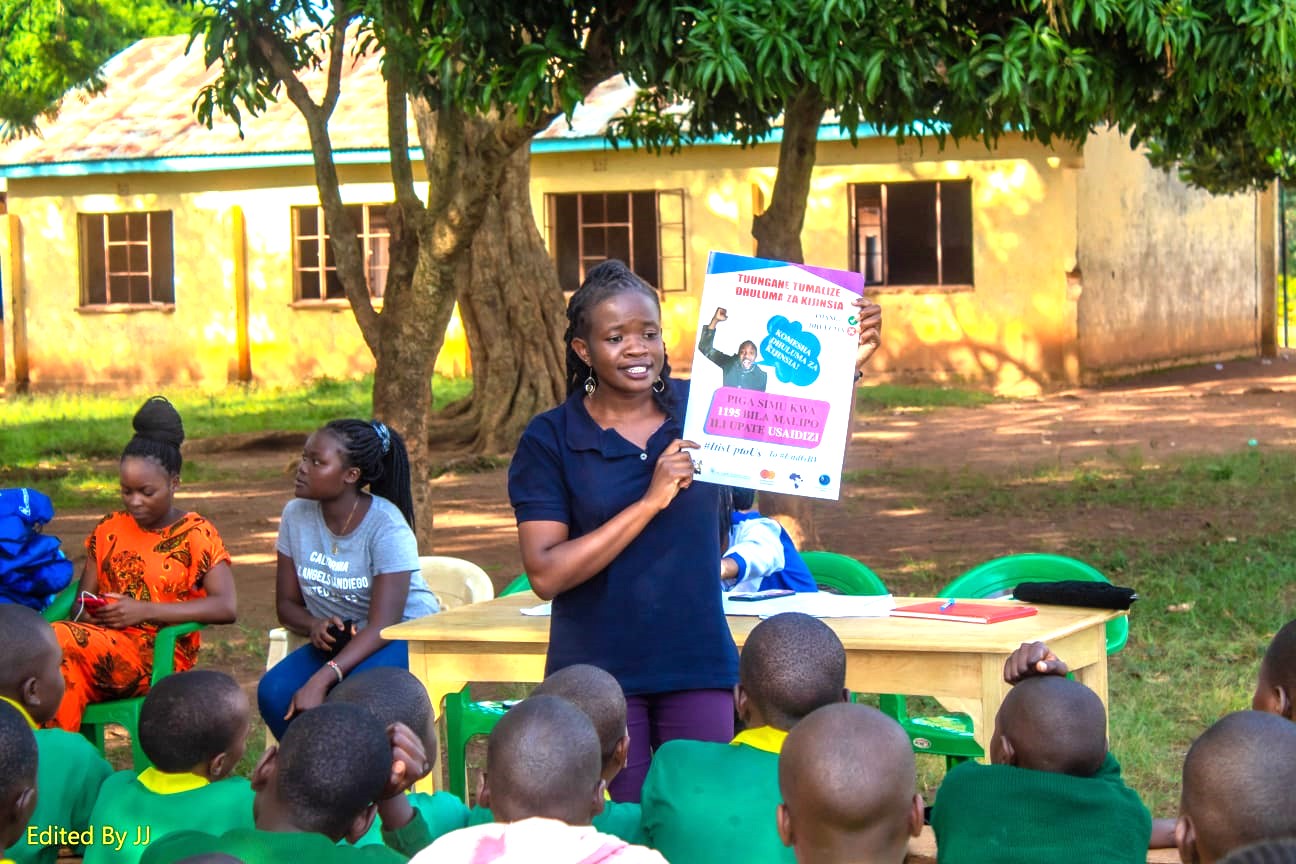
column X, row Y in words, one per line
column 126, row 258
column 314, row 269
column 645, row 229
column 915, row 234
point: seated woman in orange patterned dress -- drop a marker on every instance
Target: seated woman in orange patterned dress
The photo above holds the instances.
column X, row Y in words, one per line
column 154, row 564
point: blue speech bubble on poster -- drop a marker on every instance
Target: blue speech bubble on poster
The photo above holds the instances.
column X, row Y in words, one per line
column 791, row 350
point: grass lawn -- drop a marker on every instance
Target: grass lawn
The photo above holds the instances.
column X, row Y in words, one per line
column 68, row 444
column 1212, row 596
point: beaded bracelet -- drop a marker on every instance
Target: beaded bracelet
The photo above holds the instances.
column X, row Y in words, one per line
column 336, row 669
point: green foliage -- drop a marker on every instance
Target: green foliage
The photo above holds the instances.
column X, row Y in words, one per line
column 53, row 46
column 1208, row 85
column 530, row 58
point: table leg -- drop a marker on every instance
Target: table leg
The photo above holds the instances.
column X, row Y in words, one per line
column 993, row 691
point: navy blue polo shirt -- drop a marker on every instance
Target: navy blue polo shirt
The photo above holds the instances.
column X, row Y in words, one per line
column 653, row 618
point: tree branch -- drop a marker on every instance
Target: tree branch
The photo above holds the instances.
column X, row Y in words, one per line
column 336, row 54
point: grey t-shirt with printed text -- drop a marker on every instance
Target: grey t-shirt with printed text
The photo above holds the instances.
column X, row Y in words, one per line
column 341, row 584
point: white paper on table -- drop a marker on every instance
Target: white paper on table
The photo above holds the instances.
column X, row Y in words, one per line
column 820, row 604
column 541, row 611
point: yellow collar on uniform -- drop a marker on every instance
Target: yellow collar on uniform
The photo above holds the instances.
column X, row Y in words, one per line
column 23, row 711
column 162, row 783
column 765, row 738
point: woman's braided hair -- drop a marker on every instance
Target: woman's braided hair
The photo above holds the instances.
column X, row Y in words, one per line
column 158, row 434
column 379, row 452
column 605, row 280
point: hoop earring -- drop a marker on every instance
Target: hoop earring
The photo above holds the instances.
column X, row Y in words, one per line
column 591, row 384
column 659, row 386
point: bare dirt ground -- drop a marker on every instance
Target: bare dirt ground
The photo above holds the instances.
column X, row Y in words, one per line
column 1206, row 409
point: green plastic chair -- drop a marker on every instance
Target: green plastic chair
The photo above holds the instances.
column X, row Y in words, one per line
column 466, row 719
column 950, row 735
column 842, row 574
column 60, row 608
column 126, row 712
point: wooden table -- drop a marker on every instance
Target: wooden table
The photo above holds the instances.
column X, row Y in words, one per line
column 959, row 664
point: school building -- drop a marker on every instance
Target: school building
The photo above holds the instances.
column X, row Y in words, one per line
column 140, row 248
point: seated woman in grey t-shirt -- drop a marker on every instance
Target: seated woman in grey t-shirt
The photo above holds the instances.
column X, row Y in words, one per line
column 348, row 565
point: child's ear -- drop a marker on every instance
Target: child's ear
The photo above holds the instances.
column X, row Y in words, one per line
column 265, row 768
column 1285, row 703
column 596, row 806
column 483, row 792
column 741, row 703
column 217, row 767
column 1002, row 751
column 1186, row 840
column 29, row 693
column 361, row 824
column 784, row 817
column 620, row 754
column 916, row 810
column 15, row 815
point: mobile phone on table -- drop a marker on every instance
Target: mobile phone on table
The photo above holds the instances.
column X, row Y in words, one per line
column 767, row 594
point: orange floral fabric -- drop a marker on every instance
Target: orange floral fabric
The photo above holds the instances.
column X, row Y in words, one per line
column 159, row 566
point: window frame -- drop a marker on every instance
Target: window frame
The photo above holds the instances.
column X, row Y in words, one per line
column 97, row 264
column 321, row 270
column 671, row 257
column 940, row 286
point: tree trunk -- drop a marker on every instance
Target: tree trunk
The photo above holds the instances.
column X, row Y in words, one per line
column 778, row 236
column 412, row 328
column 512, row 311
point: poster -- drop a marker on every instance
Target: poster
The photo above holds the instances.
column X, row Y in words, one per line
column 772, row 381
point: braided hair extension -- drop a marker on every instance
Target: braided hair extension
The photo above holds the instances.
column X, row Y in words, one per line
column 379, row 452
column 158, row 434
column 605, row 280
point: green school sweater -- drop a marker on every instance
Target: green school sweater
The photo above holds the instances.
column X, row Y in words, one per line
column 68, row 776
column 267, row 847
column 1000, row 814
column 619, row 819
column 441, row 812
column 705, row 802
column 139, row 810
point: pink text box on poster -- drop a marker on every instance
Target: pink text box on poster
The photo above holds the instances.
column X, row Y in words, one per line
column 767, row 417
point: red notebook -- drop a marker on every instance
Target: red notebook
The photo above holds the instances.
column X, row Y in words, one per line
column 962, row 610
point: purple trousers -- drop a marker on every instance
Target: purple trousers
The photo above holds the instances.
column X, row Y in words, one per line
column 702, row 715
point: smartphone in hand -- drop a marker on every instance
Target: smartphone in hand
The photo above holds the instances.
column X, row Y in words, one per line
column 341, row 637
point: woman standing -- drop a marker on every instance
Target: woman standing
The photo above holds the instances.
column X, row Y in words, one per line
column 348, row 565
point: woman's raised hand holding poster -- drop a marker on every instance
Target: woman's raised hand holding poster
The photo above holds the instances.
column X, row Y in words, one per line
column 773, row 375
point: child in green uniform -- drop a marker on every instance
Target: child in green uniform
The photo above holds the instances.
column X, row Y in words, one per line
column 71, row 769
column 598, row 695
column 849, row 788
column 1239, row 787
column 543, row 782
column 395, row 696
column 193, row 728
column 705, row 802
column 1053, row 792
column 18, row 758
column 316, row 787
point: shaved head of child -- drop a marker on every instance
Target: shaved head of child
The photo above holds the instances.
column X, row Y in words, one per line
column 1276, row 687
column 1051, row 724
column 791, row 664
column 18, row 758
column 595, row 692
column 543, row 759
column 847, row 779
column 30, row 674
column 1239, row 786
